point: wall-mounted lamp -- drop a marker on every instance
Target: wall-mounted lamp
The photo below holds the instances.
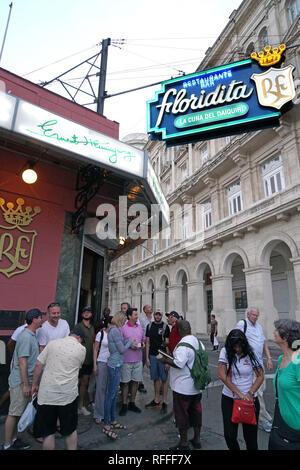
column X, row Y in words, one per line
column 122, row 241
column 29, row 175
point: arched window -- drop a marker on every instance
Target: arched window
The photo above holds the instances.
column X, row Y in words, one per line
column 263, row 39
column 293, row 10
column 250, row 49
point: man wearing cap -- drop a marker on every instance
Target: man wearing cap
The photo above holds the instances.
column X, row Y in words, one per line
column 24, row 359
column 157, row 334
column 60, row 362
column 55, row 327
column 175, row 337
column 87, row 369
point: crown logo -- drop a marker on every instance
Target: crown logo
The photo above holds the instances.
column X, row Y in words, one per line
column 18, row 216
column 269, row 58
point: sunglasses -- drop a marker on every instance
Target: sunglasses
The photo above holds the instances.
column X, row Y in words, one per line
column 54, row 304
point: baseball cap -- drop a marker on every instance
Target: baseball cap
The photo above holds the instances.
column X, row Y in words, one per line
column 173, row 314
column 87, row 309
column 78, row 332
column 33, row 313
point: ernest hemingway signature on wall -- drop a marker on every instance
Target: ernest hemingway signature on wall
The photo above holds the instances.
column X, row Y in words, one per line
column 48, row 130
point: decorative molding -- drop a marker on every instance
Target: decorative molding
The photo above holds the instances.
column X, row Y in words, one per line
column 284, row 129
column 283, row 217
column 238, row 234
column 217, row 243
column 252, row 229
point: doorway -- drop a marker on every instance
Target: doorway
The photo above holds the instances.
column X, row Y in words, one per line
column 91, row 286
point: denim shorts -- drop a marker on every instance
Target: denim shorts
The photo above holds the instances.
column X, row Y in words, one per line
column 157, row 369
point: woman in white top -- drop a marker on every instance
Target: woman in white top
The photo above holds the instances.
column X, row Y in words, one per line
column 237, row 362
column 101, row 355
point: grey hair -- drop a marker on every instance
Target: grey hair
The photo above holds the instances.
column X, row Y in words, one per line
column 184, row 327
column 290, row 331
column 251, row 308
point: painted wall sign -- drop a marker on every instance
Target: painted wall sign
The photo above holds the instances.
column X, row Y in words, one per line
column 53, row 129
column 16, row 242
column 224, row 100
column 37, row 123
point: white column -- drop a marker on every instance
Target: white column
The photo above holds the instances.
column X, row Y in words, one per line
column 196, row 314
column 222, row 303
column 190, row 147
column 175, row 297
column 296, row 265
column 260, row 295
column 160, row 300
column 147, row 297
column 172, row 170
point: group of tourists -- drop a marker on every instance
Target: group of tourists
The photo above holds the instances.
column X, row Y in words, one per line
column 82, row 371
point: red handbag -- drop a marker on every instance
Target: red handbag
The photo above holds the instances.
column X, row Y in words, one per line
column 243, row 412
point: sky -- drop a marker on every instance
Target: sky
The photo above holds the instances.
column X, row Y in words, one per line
column 151, row 41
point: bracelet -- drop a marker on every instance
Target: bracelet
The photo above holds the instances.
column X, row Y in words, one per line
column 269, row 357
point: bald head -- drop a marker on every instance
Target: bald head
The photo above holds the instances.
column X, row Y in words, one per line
column 184, row 327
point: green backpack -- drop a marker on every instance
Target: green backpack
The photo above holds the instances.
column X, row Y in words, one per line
column 200, row 371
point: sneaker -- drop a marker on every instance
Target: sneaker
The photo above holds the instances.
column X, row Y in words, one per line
column 20, row 445
column 164, row 408
column 153, row 404
column 123, row 410
column 83, row 411
column 8, row 448
column 133, row 407
column 142, row 389
column 265, row 426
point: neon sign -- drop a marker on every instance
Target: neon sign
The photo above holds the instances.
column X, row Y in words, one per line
column 225, row 100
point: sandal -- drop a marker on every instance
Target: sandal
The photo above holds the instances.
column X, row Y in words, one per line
column 116, row 425
column 109, row 433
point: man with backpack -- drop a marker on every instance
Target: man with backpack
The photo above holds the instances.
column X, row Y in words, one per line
column 189, row 375
column 157, row 335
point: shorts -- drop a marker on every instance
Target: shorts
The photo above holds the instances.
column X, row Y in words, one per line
column 187, row 410
column 47, row 416
column 132, row 371
column 86, row 369
column 157, row 369
column 18, row 402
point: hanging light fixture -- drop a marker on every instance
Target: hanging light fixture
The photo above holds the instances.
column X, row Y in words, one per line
column 29, row 175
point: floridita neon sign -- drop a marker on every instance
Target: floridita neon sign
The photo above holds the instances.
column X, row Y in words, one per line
column 232, row 98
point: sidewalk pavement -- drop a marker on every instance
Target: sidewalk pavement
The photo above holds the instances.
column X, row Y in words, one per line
column 90, row 435
column 144, row 429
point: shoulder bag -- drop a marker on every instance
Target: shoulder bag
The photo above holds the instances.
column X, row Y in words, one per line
column 243, row 412
column 282, row 436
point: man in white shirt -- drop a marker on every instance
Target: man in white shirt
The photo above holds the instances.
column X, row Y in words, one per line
column 57, row 397
column 256, row 339
column 186, row 398
column 55, row 327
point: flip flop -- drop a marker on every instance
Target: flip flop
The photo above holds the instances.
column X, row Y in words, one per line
column 116, row 425
column 109, row 433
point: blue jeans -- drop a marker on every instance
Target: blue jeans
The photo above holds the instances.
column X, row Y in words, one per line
column 111, row 394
